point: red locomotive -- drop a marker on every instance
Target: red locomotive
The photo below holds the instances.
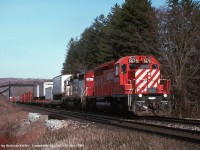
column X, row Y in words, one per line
column 132, row 83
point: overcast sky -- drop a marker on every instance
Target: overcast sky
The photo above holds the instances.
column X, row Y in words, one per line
column 34, row 33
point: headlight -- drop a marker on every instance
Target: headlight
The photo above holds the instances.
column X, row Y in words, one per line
column 140, row 95
column 165, row 95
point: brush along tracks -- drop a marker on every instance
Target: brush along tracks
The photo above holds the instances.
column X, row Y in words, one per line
column 180, row 129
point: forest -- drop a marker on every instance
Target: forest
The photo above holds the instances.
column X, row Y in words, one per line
column 170, row 33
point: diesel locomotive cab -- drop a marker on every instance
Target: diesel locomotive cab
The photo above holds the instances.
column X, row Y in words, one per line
column 145, row 89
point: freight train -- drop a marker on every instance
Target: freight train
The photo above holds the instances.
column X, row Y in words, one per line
column 129, row 84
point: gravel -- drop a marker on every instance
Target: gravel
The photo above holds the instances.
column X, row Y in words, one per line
column 54, row 124
column 32, row 117
column 173, row 125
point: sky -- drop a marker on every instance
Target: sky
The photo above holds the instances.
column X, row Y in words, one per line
column 34, row 33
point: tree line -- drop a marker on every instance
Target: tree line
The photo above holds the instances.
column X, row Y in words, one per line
column 170, row 33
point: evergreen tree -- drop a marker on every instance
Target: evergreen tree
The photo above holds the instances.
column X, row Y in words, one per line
column 129, row 27
column 93, row 42
column 74, row 61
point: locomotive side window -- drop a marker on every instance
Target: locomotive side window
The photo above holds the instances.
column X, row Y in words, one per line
column 117, row 70
column 155, row 66
column 124, row 68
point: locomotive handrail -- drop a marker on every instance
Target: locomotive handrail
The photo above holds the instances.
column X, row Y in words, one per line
column 167, row 84
column 83, row 94
column 130, row 84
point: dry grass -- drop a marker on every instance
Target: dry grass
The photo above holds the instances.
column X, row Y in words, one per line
column 14, row 129
column 9, row 116
column 114, row 139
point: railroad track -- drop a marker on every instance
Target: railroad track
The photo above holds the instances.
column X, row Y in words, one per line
column 188, row 135
column 188, row 121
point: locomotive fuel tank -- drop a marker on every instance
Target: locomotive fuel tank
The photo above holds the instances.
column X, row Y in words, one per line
column 103, row 104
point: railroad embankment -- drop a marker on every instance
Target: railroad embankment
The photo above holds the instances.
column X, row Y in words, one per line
column 24, row 130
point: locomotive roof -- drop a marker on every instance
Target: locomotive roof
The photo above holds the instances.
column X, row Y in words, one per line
column 105, row 65
column 136, row 56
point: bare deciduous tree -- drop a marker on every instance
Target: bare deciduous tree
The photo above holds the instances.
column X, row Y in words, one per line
column 178, row 31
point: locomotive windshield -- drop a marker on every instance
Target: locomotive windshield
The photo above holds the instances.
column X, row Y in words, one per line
column 139, row 66
column 144, row 66
column 133, row 66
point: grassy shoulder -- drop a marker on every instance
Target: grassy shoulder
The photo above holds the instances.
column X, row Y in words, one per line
column 17, row 133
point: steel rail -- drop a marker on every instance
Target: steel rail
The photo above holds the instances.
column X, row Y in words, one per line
column 175, row 133
column 172, row 120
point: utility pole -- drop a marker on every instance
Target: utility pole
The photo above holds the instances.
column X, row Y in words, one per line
column 9, row 93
